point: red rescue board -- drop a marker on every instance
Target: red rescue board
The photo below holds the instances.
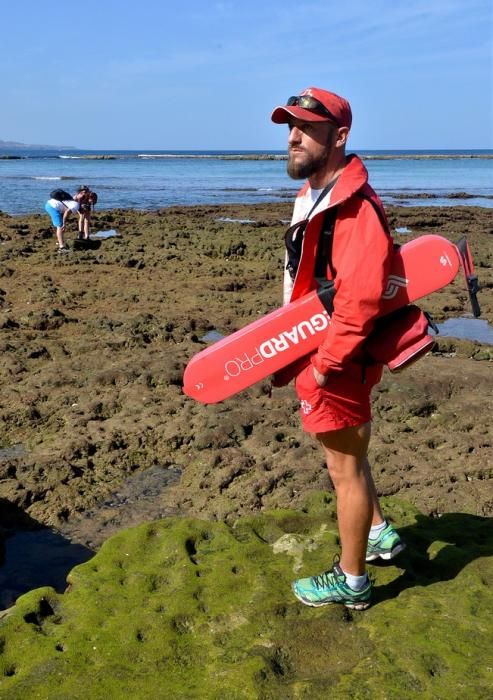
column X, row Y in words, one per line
column 262, row 348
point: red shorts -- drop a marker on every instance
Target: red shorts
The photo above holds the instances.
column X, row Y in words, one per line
column 343, row 402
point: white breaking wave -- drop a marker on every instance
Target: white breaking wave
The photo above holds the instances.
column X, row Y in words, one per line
column 46, row 177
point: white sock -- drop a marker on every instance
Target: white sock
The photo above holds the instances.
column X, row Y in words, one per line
column 375, row 530
column 356, row 582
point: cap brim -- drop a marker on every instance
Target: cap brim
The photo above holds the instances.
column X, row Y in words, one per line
column 282, row 115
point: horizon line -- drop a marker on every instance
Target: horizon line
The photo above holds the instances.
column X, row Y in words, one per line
column 145, row 149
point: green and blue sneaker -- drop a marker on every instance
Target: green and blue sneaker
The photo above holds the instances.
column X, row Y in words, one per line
column 331, row 587
column 387, row 545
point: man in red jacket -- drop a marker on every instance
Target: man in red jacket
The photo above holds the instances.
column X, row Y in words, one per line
column 350, row 245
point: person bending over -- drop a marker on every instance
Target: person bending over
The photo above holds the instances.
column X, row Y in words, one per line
column 59, row 211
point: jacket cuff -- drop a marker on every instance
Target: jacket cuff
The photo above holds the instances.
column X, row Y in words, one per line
column 319, row 366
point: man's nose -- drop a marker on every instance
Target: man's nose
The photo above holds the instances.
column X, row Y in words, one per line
column 294, row 135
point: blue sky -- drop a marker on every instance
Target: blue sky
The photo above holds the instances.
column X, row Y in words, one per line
column 200, row 74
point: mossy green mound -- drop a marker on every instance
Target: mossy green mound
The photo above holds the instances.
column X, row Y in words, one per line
column 184, row 608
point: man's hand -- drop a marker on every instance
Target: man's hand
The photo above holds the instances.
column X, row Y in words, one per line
column 321, row 379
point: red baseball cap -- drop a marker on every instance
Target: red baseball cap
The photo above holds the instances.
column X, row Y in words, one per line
column 315, row 105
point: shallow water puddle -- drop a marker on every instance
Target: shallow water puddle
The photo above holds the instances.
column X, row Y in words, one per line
column 462, row 328
column 227, row 220
column 403, row 229
column 144, row 486
column 106, row 234
column 212, row 337
column 467, row 329
column 136, row 500
column 12, row 452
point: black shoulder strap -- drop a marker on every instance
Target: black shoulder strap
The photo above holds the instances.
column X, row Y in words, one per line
column 323, row 260
column 322, row 194
column 304, row 221
column 323, row 257
column 293, row 237
column 378, row 211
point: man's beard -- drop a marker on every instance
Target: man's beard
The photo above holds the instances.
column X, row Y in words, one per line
column 300, row 170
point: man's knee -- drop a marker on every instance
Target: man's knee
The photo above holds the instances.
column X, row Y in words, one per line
column 346, row 452
column 352, row 442
column 345, row 469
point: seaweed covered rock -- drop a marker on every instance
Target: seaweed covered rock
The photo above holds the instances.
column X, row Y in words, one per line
column 186, row 608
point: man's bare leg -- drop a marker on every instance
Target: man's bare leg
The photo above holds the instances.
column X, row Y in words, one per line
column 59, row 236
column 378, row 516
column 357, row 502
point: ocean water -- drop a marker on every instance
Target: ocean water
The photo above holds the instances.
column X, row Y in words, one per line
column 164, row 178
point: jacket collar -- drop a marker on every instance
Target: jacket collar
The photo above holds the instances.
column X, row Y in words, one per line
column 353, row 178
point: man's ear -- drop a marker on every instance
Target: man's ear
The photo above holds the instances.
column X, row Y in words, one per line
column 342, row 136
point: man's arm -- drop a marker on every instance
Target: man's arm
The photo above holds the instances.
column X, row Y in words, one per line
column 361, row 255
column 65, row 215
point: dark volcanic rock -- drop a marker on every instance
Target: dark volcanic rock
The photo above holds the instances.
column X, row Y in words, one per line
column 94, row 345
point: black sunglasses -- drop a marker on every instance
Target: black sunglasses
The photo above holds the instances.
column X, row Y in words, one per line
column 310, row 103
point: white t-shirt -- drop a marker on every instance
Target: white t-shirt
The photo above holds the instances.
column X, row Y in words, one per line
column 62, row 206
column 304, row 204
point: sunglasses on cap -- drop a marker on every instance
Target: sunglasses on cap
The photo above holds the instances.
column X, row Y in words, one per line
column 310, row 103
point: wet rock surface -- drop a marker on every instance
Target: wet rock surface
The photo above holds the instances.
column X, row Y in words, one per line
column 94, row 344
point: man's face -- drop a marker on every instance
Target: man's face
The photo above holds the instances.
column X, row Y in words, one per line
column 309, row 147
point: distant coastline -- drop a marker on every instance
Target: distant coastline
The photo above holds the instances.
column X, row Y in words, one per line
column 241, row 155
column 152, row 179
column 17, row 145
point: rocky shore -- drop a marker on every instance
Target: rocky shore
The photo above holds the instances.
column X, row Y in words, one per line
column 93, row 348
column 98, row 447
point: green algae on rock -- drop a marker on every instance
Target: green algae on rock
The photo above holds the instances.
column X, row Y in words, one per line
column 186, row 608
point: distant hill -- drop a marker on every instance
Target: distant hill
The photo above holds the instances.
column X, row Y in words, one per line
column 14, row 145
